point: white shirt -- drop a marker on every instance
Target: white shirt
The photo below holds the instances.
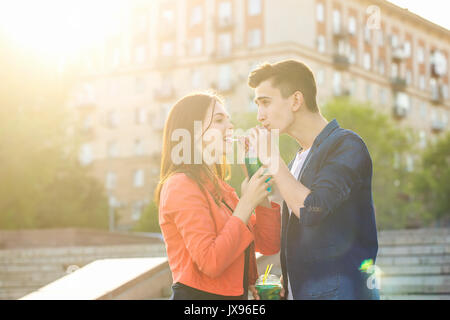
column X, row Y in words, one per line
column 295, row 171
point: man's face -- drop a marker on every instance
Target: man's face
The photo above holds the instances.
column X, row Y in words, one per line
column 274, row 112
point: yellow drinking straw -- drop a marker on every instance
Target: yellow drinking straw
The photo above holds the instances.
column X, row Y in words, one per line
column 266, row 274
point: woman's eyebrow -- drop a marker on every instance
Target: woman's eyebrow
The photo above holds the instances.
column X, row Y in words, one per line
column 220, row 114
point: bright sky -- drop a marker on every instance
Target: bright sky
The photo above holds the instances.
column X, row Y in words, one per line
column 436, row 11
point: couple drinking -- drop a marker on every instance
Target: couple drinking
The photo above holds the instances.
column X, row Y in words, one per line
column 325, row 228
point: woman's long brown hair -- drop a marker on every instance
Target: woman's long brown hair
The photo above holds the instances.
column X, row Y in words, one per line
column 182, row 115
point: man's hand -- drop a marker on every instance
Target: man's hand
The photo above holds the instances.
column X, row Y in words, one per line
column 267, row 148
column 282, row 292
column 254, row 292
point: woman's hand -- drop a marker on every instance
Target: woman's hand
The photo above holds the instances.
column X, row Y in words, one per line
column 254, row 292
column 254, row 191
column 257, row 188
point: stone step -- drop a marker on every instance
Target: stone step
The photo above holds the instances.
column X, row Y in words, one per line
column 417, row 297
column 414, row 250
column 423, row 231
column 91, row 250
column 416, row 270
column 15, row 293
column 412, row 260
column 433, row 284
column 71, row 258
column 413, row 239
column 41, row 277
column 27, row 268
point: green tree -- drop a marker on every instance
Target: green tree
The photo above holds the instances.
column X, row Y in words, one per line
column 43, row 184
column 149, row 221
column 431, row 182
column 394, row 200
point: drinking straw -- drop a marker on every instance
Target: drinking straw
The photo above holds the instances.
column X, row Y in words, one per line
column 266, row 274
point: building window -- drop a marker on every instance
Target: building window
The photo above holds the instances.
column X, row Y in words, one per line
column 321, row 77
column 321, row 44
column 423, row 110
column 368, row 92
column 407, row 49
column 196, row 79
column 111, row 180
column 422, row 139
column 167, row 49
column 139, row 54
column 113, row 149
column 116, row 58
column 138, row 178
column 254, row 7
column 113, row 119
column 394, row 70
column 320, row 12
column 353, row 87
column 196, row 15
column 409, row 163
column 168, row 17
column 139, row 85
column 141, row 116
column 224, row 78
column 422, row 82
column 420, row 55
column 138, row 147
column 352, row 55
column 408, row 77
column 336, row 21
column 85, row 154
column 196, row 46
column 137, row 210
column 367, row 61
column 224, row 44
column 383, row 96
column 352, row 26
column 367, row 34
column 380, row 38
column 337, row 83
column 402, row 101
column 225, row 13
column 254, row 38
column 381, row 67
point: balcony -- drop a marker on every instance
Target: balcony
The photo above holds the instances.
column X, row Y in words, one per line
column 437, row 94
column 398, row 83
column 166, row 31
column 164, row 93
column 166, row 62
column 224, row 23
column 398, row 54
column 340, row 33
column 399, row 112
column 341, row 61
column 437, row 126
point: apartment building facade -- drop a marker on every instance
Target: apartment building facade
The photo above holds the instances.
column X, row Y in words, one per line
column 370, row 50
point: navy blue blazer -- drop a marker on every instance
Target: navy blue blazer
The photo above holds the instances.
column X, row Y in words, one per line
column 323, row 250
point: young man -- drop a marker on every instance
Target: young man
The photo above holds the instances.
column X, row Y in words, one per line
column 328, row 219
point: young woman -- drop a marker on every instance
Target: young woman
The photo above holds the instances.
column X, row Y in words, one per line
column 211, row 235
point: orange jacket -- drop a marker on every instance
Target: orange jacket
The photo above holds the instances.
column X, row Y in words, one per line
column 205, row 244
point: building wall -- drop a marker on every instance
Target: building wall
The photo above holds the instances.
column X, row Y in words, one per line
column 155, row 60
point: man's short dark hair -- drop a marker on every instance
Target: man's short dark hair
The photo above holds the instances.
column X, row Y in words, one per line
column 288, row 76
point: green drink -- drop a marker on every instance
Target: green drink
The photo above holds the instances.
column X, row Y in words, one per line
column 252, row 165
column 271, row 288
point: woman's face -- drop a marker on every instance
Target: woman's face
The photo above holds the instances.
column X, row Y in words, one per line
column 217, row 132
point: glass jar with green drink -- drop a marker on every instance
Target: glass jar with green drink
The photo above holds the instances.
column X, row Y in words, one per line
column 270, row 288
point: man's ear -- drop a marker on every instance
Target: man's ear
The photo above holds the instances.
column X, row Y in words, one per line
column 297, row 101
